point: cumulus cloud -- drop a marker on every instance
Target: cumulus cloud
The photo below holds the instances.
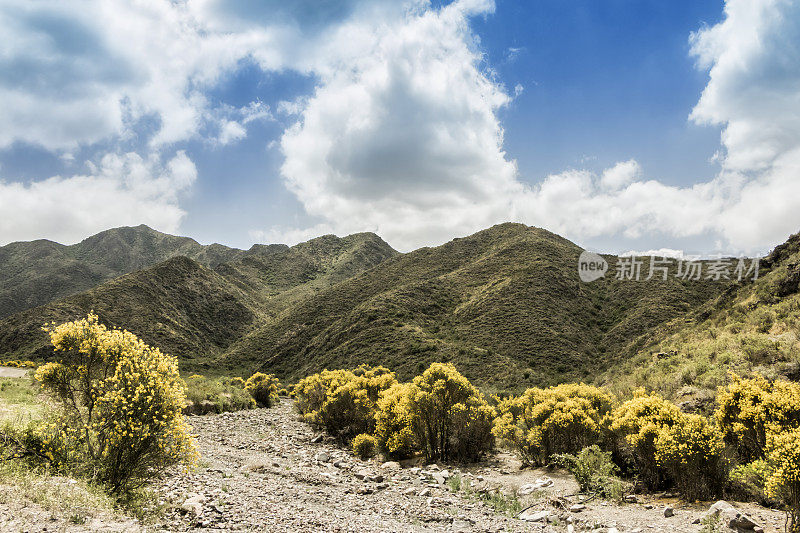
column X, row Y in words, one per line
column 121, row 189
column 401, row 134
column 621, row 174
column 73, row 75
column 404, row 140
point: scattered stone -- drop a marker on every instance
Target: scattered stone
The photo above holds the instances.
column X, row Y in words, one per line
column 630, row 498
column 322, row 457
column 731, row 516
column 577, row 508
column 409, row 491
column 537, row 516
column 425, row 492
column 669, row 511
column 391, row 465
column 317, row 439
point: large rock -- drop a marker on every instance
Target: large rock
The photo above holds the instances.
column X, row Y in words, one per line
column 730, row 517
column 534, row 516
column 194, row 504
column 529, row 488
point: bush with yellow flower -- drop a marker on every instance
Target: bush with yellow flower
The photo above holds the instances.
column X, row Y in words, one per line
column 558, row 420
column 120, row 403
column 263, row 388
column 344, row 402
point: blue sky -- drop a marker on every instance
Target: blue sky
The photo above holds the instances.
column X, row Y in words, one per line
column 619, row 124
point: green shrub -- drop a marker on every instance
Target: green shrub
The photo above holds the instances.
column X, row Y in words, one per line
column 263, row 388
column 215, row 395
column 595, row 472
column 120, row 403
column 365, row 446
column 557, row 420
column 748, row 482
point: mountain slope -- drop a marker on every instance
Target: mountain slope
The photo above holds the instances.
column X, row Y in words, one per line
column 505, row 305
column 34, row 273
column 196, row 312
column 753, row 326
column 179, row 305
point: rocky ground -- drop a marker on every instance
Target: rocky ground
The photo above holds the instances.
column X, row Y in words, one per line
column 266, row 470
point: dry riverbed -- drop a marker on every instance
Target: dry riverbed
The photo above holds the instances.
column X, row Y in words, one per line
column 265, row 470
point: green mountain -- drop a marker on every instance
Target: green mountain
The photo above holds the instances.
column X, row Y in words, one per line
column 751, row 326
column 505, row 305
column 197, row 312
column 37, row 272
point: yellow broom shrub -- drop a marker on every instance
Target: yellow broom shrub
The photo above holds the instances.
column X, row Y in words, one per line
column 263, row 388
column 558, row 420
column 120, row 402
column 783, row 482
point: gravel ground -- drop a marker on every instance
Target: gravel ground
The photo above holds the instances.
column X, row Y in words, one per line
column 265, row 470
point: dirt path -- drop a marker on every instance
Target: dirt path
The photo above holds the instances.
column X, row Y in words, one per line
column 264, row 470
column 13, row 372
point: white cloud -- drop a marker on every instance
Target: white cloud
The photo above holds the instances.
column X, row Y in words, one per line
column 754, row 61
column 621, row 174
column 231, row 131
column 73, row 75
column 404, row 139
column 401, row 135
column 122, row 189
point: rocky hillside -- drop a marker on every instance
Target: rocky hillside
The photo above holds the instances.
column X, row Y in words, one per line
column 37, row 272
column 752, row 326
column 197, row 312
column 505, row 305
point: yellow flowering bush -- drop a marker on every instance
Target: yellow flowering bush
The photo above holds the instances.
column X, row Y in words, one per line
column 450, row 418
column 690, row 450
column 19, row 364
column 263, row 388
column 749, row 409
column 637, row 424
column 393, row 421
column 365, row 446
column 121, row 402
column 558, row 420
column 783, row 481
column 344, row 402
